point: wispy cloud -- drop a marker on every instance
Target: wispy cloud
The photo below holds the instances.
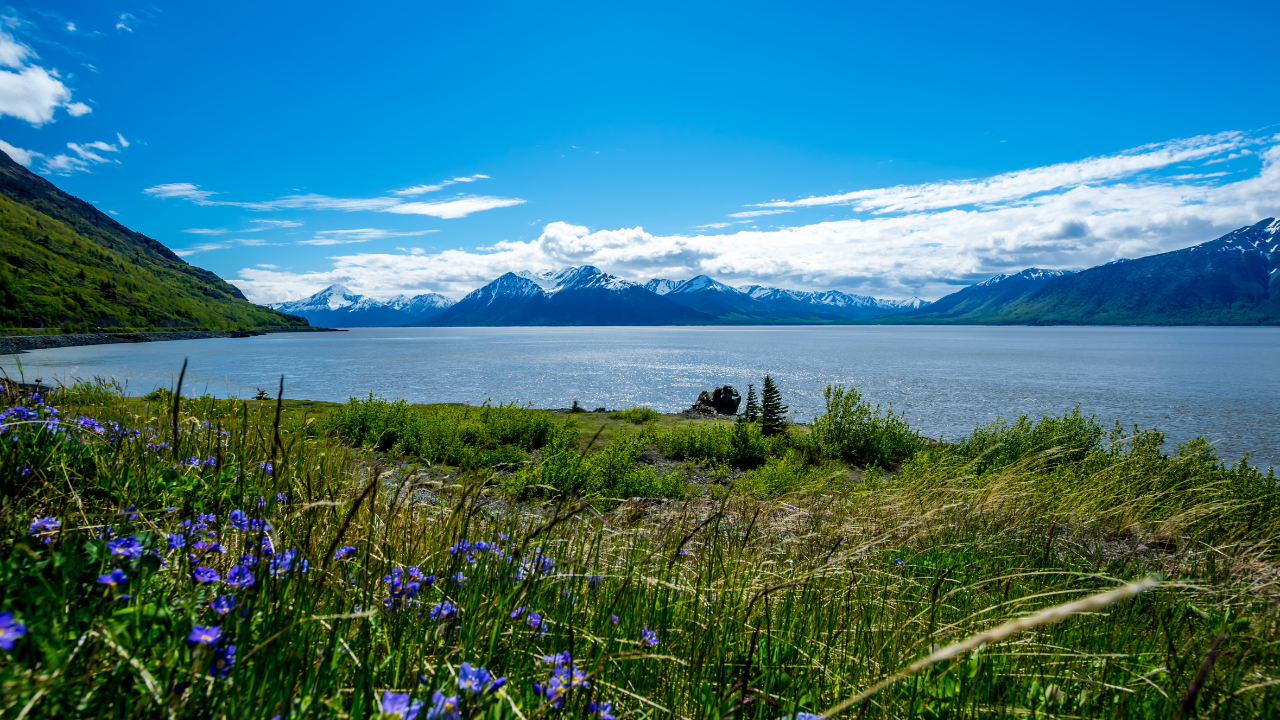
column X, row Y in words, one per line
column 1025, row 183
column 276, row 224
column 359, row 235
column 221, row 245
column 446, row 209
column 207, row 231
column 423, row 189
column 456, row 208
column 757, row 213
column 86, row 156
column 925, row 252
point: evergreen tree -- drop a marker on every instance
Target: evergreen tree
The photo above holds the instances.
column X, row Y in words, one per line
column 752, row 411
column 773, row 414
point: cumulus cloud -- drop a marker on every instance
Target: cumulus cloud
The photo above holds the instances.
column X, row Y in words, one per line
column 30, row 92
column 458, row 207
column 926, row 251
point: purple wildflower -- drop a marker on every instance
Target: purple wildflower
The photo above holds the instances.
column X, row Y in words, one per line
column 239, row 520
column 204, row 635
column 113, row 578
column 223, row 604
column 602, row 710
column 240, row 576
column 648, row 637
column 224, row 658
column 444, row 708
column 443, row 610
column 472, row 678
column 343, row 552
column 398, row 706
column 44, row 524
column 613, row 619
column 10, row 630
column 177, row 541
column 205, row 575
column 126, row 547
column 536, row 622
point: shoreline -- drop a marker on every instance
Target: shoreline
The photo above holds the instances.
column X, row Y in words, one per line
column 21, row 344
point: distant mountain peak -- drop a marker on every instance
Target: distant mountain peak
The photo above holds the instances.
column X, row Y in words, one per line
column 1028, row 274
column 701, row 283
column 662, row 286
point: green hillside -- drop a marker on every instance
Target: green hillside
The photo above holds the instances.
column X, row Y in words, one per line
column 64, row 265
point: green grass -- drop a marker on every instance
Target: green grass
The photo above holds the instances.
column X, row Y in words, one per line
column 793, row 590
column 637, row 415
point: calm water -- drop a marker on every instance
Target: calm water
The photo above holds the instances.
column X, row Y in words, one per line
column 1223, row 383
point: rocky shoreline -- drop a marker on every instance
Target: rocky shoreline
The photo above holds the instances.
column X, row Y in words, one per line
column 19, row 344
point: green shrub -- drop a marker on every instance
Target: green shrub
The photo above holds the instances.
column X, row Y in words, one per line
column 999, row 444
column 449, row 434
column 778, row 476
column 849, row 429
column 637, row 415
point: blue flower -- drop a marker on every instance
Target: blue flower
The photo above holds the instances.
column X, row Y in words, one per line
column 223, row 604
column 284, row 562
column 44, row 524
column 899, row 561
column 113, row 578
column 459, row 579
column 205, row 575
column 518, row 611
column 398, row 705
column 473, row 679
column 240, row 576
column 204, row 635
column 10, row 630
column 536, row 622
column 281, row 497
column 602, row 710
column 444, row 708
column 266, row 467
column 240, row 520
column 345, row 551
column 126, row 547
column 224, row 658
column 443, row 610
column 613, row 619
column 177, row 541
column 648, row 637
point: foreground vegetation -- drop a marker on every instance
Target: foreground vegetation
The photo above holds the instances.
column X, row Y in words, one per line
column 215, row 558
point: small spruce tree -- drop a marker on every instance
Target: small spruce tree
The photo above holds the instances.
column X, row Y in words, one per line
column 773, row 414
column 752, row 411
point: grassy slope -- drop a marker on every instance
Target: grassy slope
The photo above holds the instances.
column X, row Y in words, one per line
column 65, row 265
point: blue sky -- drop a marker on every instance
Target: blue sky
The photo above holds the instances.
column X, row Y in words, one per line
column 885, row 149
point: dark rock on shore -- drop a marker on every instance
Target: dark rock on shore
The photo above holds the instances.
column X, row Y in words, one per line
column 721, row 401
column 18, row 344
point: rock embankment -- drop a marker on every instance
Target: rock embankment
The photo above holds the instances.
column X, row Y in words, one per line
column 18, row 344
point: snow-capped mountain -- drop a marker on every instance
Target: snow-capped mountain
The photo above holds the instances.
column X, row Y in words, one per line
column 573, row 296
column 830, row 301
column 337, row 306
column 661, row 286
column 1030, row 275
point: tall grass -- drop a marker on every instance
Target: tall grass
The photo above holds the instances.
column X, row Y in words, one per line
column 368, row 592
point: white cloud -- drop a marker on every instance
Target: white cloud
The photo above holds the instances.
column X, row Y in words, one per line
column 125, row 18
column 123, row 143
column 342, row 237
column 1024, row 183
column 458, row 207
column 32, row 93
column 19, row 155
column 267, row 266
column 71, row 27
column 450, row 209
column 275, row 224
column 758, row 213
column 13, row 53
column 923, row 252
column 717, row 226
column 207, row 231
column 221, row 245
column 423, row 189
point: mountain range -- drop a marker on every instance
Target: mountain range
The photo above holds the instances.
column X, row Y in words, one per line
column 587, row 296
column 1234, row 280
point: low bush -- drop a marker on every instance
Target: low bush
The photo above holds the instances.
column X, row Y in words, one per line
column 637, row 415
column 450, row 434
column 1061, row 439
